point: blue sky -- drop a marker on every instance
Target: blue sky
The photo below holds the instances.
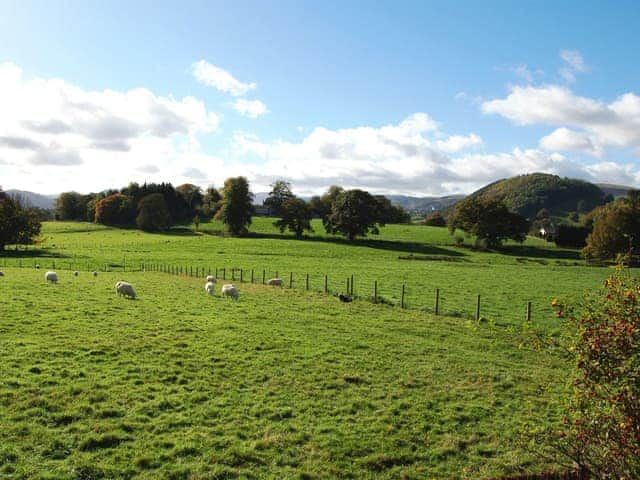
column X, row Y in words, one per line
column 423, row 98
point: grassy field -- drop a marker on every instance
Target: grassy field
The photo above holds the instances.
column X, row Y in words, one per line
column 422, row 258
column 282, row 384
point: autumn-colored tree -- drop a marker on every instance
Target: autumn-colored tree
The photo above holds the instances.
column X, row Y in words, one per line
column 616, row 229
column 116, row 209
column 601, row 431
column 435, row 220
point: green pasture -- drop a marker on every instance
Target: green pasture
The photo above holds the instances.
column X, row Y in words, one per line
column 421, row 258
column 281, row 384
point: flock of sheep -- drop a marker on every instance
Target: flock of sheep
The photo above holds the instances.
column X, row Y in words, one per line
column 125, row 289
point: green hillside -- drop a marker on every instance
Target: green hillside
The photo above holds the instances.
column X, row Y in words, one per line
column 528, row 194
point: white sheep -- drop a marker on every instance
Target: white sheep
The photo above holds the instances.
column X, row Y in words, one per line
column 228, row 290
column 125, row 289
column 51, row 277
column 276, row 282
column 210, row 288
column 211, row 278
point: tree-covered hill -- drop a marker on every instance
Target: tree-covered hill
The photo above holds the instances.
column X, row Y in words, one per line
column 528, row 194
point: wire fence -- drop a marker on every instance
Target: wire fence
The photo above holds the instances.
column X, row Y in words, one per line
column 448, row 301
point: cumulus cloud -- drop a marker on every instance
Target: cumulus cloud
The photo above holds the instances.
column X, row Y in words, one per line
column 250, row 108
column 105, row 135
column 563, row 139
column 457, row 143
column 213, row 76
column 523, row 72
column 409, row 157
column 613, row 124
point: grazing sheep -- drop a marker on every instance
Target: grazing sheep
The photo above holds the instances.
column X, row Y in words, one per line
column 51, row 277
column 37, row 266
column 125, row 289
column 1, row 274
column 75, row 274
column 228, row 290
column 276, row 282
column 211, row 278
column 95, row 274
column 210, row 288
column 344, row 298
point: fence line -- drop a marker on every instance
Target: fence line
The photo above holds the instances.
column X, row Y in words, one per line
column 400, row 294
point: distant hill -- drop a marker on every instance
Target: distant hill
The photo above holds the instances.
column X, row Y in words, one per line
column 424, row 204
column 528, row 194
column 34, row 199
column 614, row 190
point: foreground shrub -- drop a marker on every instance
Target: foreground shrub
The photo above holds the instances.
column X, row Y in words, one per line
column 601, row 432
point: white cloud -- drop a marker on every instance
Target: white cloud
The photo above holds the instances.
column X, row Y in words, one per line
column 563, row 139
column 574, row 63
column 614, row 124
column 403, row 158
column 108, row 137
column 220, row 79
column 457, row 143
column 250, row 108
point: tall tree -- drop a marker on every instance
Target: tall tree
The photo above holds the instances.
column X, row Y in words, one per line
column 616, row 229
column 353, row 213
column 236, row 207
column 321, row 205
column 296, row 216
column 210, row 203
column 489, row 220
column 116, row 209
column 280, row 193
column 71, row 206
column 18, row 225
column 153, row 214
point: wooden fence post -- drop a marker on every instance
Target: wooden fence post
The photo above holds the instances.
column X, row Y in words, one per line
column 290, row 279
column 528, row 311
column 437, row 305
column 263, row 276
column 375, row 291
column 326, row 284
column 306, row 282
column 478, row 308
column 402, row 298
column 252, row 275
column 224, row 273
column 351, row 285
column 233, row 274
column 241, row 275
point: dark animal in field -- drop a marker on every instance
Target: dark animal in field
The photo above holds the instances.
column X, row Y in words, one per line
column 345, row 298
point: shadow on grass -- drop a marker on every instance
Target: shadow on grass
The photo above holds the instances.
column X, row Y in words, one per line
column 390, row 245
column 537, row 252
column 181, row 232
column 31, row 253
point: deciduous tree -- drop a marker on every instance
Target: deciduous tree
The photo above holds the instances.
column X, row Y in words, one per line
column 353, row 213
column 236, row 206
column 489, row 220
column 296, row 216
